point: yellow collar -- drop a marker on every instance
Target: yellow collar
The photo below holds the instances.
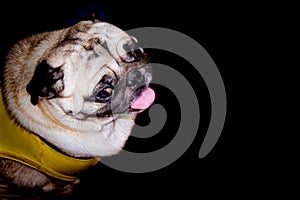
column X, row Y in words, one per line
column 22, row 146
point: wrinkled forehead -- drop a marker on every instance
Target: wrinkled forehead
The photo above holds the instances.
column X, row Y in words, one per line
column 87, row 29
column 110, row 37
column 106, row 30
column 99, row 38
column 115, row 39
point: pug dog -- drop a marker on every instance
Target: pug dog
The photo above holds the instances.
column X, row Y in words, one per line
column 69, row 95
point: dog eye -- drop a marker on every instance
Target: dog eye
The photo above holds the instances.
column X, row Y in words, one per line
column 104, row 95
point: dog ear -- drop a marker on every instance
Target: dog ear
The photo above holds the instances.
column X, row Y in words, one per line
column 47, row 82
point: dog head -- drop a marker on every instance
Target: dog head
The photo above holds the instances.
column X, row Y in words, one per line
column 84, row 87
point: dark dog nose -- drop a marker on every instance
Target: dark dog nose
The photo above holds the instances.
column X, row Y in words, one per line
column 135, row 79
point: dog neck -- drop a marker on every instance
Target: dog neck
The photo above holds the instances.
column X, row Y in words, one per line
column 20, row 145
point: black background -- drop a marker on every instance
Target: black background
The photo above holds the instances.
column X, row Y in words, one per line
column 218, row 28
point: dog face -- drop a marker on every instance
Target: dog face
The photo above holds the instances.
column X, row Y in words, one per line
column 80, row 88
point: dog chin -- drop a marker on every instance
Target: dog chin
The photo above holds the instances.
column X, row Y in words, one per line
column 92, row 138
column 109, row 141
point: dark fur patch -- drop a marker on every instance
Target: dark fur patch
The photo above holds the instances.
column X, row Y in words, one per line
column 45, row 83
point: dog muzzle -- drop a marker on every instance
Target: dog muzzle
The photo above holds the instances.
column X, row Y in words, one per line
column 23, row 146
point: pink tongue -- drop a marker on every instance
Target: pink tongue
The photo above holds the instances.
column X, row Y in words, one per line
column 145, row 100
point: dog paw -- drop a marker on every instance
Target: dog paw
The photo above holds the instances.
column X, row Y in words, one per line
column 59, row 189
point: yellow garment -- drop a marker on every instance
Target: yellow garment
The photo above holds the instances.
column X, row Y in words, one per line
column 22, row 146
